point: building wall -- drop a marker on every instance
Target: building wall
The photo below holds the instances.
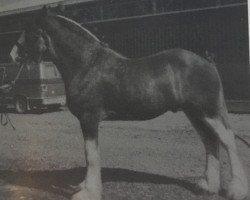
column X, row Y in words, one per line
column 220, row 33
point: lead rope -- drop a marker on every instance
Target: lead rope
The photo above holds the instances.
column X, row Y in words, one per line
column 18, row 74
column 4, row 115
column 4, row 118
column 243, row 140
column 7, row 120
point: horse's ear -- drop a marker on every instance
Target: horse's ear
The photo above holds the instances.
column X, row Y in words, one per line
column 41, row 16
column 46, row 11
column 60, row 8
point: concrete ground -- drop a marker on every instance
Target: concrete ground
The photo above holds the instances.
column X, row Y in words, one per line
column 160, row 159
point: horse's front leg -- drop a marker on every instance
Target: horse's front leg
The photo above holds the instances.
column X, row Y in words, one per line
column 91, row 188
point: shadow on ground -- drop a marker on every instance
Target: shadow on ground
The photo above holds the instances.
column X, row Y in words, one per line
column 59, row 181
column 33, row 111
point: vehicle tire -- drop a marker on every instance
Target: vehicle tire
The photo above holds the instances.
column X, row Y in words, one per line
column 21, row 105
column 54, row 107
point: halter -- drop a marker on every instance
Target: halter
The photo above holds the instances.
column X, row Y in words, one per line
column 41, row 33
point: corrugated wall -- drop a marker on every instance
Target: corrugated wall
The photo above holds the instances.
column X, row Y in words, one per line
column 222, row 32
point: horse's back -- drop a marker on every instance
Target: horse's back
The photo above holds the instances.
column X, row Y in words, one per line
column 173, row 79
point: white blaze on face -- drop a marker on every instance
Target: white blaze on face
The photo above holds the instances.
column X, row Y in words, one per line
column 15, row 52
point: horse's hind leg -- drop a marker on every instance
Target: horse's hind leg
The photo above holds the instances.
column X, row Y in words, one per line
column 91, row 188
column 211, row 181
column 238, row 187
column 218, row 127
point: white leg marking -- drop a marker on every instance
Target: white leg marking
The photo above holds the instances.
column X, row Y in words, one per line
column 91, row 188
column 238, row 188
column 93, row 178
column 212, row 182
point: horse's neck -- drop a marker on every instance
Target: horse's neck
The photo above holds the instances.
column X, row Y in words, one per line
column 75, row 48
column 71, row 52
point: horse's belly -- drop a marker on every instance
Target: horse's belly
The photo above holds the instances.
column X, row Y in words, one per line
column 142, row 99
column 137, row 113
column 112, row 116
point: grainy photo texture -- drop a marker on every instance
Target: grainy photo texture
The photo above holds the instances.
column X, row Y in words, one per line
column 122, row 100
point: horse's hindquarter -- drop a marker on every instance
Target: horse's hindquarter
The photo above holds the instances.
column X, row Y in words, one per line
column 201, row 85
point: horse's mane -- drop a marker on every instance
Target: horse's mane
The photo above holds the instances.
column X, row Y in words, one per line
column 77, row 28
column 72, row 25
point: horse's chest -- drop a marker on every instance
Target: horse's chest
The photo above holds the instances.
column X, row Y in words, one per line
column 83, row 95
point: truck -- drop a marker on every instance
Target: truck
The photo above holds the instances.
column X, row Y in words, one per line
column 37, row 86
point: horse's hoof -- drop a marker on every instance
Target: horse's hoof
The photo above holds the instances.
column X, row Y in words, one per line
column 205, row 187
column 237, row 189
column 77, row 188
column 86, row 194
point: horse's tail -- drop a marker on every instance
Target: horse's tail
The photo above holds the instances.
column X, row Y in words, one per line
column 222, row 109
column 243, row 140
column 224, row 116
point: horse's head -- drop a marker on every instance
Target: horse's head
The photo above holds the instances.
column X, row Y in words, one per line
column 59, row 36
column 37, row 41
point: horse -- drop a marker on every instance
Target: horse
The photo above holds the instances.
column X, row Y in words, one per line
column 102, row 84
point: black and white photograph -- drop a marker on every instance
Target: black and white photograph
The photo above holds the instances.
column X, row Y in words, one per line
column 124, row 100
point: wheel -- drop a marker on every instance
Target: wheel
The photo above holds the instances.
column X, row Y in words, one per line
column 21, row 105
column 54, row 107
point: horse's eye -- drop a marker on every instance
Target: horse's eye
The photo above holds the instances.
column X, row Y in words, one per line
column 38, row 33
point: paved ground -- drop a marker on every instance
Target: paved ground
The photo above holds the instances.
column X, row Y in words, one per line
column 158, row 159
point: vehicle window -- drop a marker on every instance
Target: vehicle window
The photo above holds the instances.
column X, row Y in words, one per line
column 49, row 71
column 7, row 41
